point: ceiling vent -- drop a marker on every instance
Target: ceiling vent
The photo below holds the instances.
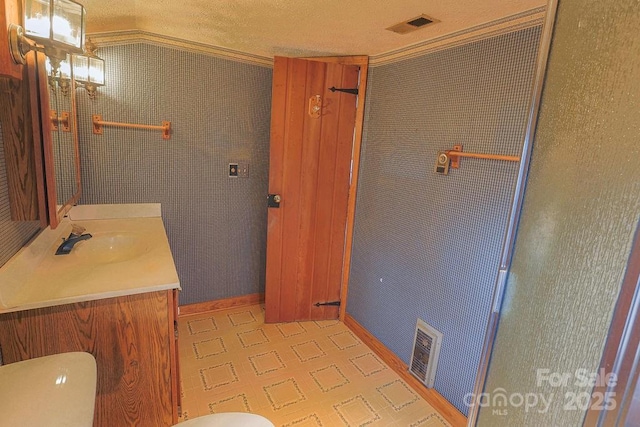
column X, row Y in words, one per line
column 412, row 24
column 426, row 349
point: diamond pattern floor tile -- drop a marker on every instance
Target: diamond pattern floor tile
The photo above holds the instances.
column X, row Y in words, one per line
column 299, row 374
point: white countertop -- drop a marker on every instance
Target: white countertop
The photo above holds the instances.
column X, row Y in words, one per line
column 51, row 391
column 125, row 256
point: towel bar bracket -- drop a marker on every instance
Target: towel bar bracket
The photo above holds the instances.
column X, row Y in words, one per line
column 455, row 160
column 62, row 120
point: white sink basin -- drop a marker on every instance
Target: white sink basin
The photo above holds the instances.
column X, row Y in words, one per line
column 51, row 391
column 110, row 247
column 124, row 257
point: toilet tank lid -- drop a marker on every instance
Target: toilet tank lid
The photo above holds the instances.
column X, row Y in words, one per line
column 230, row 419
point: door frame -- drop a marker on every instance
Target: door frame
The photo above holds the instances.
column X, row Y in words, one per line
column 361, row 61
column 508, row 244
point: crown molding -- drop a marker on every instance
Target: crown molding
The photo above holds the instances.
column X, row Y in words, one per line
column 118, row 38
column 509, row 24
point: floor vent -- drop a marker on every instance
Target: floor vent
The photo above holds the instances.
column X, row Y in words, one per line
column 426, row 348
column 412, row 24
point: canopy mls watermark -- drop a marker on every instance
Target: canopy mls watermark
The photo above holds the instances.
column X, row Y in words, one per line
column 500, row 400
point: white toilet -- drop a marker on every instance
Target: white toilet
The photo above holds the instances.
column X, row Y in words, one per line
column 228, row 419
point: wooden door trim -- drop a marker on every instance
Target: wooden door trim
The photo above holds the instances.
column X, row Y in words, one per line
column 363, row 62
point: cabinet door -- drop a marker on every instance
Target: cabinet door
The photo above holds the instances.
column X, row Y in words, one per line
column 130, row 339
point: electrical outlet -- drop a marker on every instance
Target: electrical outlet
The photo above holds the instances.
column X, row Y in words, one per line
column 233, row 170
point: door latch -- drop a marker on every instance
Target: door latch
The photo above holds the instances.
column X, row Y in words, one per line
column 273, row 200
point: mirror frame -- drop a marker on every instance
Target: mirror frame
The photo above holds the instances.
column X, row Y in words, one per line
column 23, row 147
column 26, row 126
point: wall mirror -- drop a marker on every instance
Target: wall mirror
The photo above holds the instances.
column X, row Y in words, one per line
column 43, row 178
column 65, row 156
column 61, row 148
column 40, row 136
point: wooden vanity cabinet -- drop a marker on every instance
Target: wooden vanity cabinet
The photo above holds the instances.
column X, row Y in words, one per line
column 133, row 339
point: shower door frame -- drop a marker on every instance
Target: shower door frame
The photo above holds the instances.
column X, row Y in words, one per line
column 516, row 208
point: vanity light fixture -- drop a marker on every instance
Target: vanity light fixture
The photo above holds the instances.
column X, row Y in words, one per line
column 62, row 78
column 88, row 69
column 55, row 27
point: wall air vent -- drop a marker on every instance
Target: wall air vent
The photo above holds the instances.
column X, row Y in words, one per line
column 426, row 348
column 412, row 24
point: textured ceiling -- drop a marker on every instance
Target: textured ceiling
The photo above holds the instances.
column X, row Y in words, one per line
column 297, row 27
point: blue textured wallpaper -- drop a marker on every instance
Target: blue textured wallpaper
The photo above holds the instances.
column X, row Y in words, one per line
column 220, row 113
column 428, row 246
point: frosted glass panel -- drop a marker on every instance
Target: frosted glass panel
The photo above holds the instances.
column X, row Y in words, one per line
column 580, row 210
column 37, row 21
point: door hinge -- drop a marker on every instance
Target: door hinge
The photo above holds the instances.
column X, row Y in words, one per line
column 351, row 91
column 334, row 303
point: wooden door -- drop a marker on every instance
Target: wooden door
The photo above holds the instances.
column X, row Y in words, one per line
column 312, row 133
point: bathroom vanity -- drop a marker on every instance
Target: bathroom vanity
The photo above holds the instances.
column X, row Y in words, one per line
column 114, row 296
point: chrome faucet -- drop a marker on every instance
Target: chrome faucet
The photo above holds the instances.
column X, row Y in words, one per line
column 75, row 236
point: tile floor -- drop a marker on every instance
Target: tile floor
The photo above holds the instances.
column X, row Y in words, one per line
column 295, row 374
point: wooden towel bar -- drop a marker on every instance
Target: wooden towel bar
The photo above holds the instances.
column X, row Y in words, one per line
column 98, row 123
